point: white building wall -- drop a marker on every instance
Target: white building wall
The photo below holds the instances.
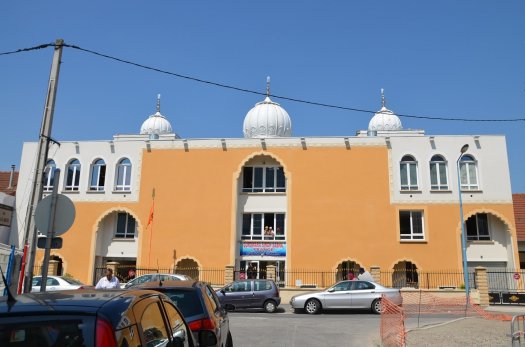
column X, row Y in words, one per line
column 86, row 152
column 490, row 152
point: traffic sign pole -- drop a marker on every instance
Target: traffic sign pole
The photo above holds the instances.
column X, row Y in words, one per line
column 50, row 231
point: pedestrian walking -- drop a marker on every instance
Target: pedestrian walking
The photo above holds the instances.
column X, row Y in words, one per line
column 365, row 275
column 109, row 281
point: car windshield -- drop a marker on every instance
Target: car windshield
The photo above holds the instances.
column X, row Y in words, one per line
column 47, row 331
column 186, row 300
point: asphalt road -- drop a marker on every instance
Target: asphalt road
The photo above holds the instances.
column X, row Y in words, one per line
column 255, row 328
column 284, row 328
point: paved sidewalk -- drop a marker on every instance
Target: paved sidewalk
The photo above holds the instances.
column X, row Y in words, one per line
column 462, row 332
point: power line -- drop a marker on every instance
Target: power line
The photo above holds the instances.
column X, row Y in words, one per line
column 244, row 90
column 28, row 49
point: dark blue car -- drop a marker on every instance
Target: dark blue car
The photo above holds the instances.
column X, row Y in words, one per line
column 250, row 293
column 102, row 318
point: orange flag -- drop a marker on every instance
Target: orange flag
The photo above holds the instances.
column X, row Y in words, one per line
column 152, row 210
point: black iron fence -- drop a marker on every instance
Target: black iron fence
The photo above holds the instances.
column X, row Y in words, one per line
column 443, row 279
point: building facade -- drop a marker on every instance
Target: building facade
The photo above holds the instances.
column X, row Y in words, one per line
column 383, row 197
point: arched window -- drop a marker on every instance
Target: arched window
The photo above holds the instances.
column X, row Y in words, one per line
column 49, row 175
column 123, row 175
column 468, row 173
column 259, row 179
column 408, row 170
column 98, row 175
column 73, row 175
column 438, row 173
column 126, row 226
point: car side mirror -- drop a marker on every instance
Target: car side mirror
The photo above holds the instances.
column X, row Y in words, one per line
column 179, row 337
column 207, row 338
column 331, row 290
column 223, row 292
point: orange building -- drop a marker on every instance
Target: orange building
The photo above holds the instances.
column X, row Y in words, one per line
column 384, row 197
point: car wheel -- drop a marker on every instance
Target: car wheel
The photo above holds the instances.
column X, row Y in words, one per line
column 270, row 306
column 229, row 340
column 312, row 306
column 376, row 306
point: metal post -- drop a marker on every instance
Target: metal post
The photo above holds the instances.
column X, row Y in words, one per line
column 30, row 235
column 50, row 232
column 463, row 236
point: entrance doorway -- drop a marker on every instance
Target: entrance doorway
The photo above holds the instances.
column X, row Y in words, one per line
column 257, row 269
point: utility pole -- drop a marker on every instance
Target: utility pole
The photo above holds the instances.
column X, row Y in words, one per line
column 30, row 236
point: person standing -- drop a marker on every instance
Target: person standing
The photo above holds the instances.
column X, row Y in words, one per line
column 365, row 275
column 109, row 281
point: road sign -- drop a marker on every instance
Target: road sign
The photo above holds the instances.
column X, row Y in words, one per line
column 56, row 242
column 64, row 216
column 517, row 276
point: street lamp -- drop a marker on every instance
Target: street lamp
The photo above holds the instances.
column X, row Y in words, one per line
column 463, row 236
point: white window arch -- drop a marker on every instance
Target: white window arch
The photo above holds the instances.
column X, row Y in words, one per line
column 49, row 175
column 73, row 175
column 468, row 173
column 438, row 173
column 408, row 171
column 123, row 180
column 98, row 175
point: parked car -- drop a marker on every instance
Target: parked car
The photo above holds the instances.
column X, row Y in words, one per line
column 200, row 307
column 89, row 317
column 155, row 278
column 346, row 294
column 57, row 283
column 250, row 294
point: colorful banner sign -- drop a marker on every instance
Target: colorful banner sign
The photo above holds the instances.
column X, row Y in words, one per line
column 273, row 249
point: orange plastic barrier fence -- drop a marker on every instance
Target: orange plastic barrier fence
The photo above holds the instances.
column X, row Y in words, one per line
column 393, row 332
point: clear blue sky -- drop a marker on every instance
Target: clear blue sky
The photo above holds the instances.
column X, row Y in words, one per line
column 437, row 58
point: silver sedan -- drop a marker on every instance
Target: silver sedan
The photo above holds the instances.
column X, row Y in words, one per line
column 346, row 294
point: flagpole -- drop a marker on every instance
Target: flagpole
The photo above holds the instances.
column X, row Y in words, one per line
column 150, row 221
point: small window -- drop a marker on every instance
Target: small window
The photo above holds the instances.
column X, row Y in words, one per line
column 240, row 286
column 98, row 175
column 363, row 285
column 408, row 171
column 478, row 227
column 152, row 323
column 125, row 226
column 49, row 175
column 268, row 179
column 73, row 175
column 263, row 226
column 341, row 286
column 123, row 175
column 411, row 225
column 468, row 173
column 438, row 173
column 175, row 320
column 213, row 303
column 262, row 285
column 186, row 301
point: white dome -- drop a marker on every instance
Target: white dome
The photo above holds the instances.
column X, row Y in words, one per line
column 384, row 119
column 156, row 124
column 267, row 119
